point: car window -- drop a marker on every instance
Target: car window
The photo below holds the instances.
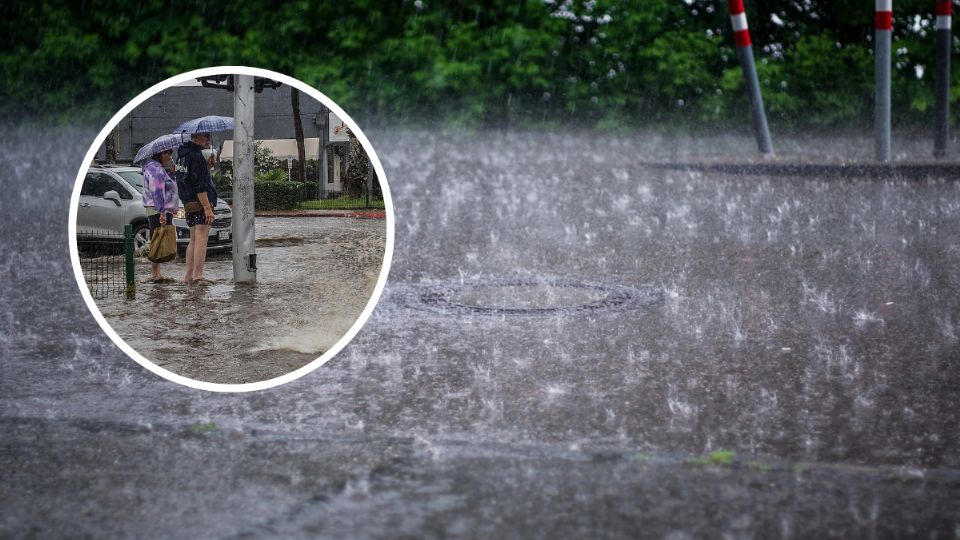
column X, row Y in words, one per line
column 96, row 184
column 134, row 178
column 115, row 185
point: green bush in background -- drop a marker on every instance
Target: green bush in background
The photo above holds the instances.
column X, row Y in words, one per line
column 272, row 191
column 495, row 63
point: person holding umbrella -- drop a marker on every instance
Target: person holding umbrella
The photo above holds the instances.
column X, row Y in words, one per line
column 199, row 197
column 159, row 190
column 196, row 188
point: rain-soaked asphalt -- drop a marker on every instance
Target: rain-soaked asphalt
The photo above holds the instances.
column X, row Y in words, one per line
column 798, row 375
column 314, row 277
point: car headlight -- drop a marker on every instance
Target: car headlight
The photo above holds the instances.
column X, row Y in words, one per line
column 180, row 214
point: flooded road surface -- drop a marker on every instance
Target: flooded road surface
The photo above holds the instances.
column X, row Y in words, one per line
column 797, row 375
column 314, row 278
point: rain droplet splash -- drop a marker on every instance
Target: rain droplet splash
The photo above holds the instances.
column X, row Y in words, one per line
column 527, row 296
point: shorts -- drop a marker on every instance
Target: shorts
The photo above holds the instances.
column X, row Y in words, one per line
column 196, row 218
column 154, row 221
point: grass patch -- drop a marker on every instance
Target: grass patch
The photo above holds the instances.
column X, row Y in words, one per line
column 720, row 458
column 642, row 457
column 341, row 203
column 760, row 466
column 203, row 427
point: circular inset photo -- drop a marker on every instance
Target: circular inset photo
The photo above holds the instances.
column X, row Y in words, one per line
column 231, row 229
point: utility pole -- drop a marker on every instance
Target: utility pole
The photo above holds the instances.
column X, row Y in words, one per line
column 244, row 239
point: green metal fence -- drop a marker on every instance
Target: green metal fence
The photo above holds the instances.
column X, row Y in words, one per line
column 106, row 260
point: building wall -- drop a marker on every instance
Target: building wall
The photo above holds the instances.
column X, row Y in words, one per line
column 163, row 112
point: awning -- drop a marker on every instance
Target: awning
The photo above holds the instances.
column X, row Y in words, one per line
column 281, row 148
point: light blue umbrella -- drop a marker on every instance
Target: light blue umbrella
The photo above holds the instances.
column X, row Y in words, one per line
column 160, row 144
column 206, row 124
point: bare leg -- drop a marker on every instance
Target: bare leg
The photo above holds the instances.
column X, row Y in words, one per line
column 188, row 277
column 200, row 250
column 155, row 270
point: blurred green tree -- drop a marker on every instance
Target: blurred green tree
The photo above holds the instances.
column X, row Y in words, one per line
column 471, row 63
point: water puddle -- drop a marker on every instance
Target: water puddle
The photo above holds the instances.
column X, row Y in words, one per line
column 315, row 279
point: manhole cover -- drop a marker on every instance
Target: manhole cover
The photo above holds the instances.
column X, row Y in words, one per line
column 528, row 296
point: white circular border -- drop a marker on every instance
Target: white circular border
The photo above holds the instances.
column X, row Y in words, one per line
column 260, row 385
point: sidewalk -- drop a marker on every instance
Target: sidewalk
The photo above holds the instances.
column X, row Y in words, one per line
column 365, row 213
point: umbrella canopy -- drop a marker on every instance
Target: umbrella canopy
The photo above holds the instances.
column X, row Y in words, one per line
column 160, row 144
column 206, row 124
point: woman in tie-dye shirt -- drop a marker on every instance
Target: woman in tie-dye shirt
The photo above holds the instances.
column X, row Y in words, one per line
column 159, row 196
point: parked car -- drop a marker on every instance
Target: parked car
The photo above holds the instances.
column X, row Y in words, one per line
column 111, row 198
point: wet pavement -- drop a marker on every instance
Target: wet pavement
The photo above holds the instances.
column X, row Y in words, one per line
column 314, row 278
column 797, row 377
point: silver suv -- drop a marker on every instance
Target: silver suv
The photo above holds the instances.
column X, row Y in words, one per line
column 111, row 198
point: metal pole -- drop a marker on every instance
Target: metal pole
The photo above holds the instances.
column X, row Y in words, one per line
column 324, row 141
column 882, row 45
column 128, row 269
column 244, row 238
column 741, row 36
column 942, row 79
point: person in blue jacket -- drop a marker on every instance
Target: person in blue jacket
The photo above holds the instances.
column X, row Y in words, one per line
column 198, row 195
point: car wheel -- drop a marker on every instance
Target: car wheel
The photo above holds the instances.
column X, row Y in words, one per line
column 141, row 238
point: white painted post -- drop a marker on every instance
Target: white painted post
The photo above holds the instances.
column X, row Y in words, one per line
column 741, row 37
column 942, row 79
column 882, row 58
column 244, row 238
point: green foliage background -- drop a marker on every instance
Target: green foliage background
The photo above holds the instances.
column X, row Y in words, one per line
column 592, row 64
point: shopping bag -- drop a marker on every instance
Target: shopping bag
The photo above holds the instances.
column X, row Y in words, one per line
column 163, row 244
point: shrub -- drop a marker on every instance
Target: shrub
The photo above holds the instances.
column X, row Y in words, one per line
column 263, row 160
column 223, row 180
column 272, row 191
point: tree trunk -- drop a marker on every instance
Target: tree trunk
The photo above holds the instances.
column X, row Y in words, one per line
column 298, row 128
column 110, row 147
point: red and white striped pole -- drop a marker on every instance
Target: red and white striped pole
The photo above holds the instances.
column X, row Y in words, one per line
column 942, row 80
column 741, row 37
column 882, row 57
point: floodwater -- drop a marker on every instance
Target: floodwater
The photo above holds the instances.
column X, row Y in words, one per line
column 314, row 278
column 797, row 376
